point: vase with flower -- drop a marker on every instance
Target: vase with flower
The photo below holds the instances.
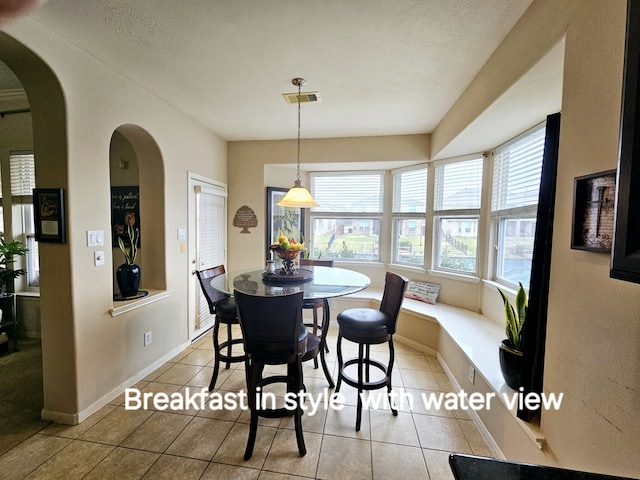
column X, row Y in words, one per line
column 128, row 274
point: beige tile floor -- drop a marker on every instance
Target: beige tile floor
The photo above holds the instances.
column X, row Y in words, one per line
column 116, row 443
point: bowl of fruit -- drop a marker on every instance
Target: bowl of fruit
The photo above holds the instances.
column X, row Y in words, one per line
column 288, row 250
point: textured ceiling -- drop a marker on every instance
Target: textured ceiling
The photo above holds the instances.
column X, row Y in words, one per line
column 382, row 67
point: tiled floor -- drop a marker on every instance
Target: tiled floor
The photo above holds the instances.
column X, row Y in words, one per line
column 208, row 444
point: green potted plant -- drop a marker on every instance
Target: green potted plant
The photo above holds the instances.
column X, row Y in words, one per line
column 128, row 274
column 9, row 250
column 511, row 347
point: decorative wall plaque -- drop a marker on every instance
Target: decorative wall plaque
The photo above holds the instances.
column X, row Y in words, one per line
column 245, row 218
column 593, row 211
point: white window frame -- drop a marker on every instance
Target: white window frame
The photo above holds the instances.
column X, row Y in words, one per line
column 472, row 214
column 322, row 213
column 398, row 215
column 500, row 216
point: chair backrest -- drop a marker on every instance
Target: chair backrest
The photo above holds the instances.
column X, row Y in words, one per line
column 394, row 288
column 271, row 326
column 316, row 263
column 211, row 294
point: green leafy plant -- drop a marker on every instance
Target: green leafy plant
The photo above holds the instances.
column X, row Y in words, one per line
column 515, row 317
column 130, row 251
column 8, row 251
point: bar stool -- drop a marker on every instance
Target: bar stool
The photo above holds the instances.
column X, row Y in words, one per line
column 273, row 335
column 366, row 327
column 319, row 328
column 224, row 309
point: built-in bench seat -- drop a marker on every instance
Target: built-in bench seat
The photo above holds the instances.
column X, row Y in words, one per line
column 466, row 344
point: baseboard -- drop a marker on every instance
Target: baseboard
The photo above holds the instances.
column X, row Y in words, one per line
column 76, row 418
column 415, row 345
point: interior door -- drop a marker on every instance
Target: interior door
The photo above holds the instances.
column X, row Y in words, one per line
column 207, row 245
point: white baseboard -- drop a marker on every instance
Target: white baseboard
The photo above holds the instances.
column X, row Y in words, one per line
column 76, row 418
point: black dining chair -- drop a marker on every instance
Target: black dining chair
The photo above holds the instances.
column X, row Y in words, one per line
column 273, row 334
column 319, row 328
column 224, row 309
column 366, row 327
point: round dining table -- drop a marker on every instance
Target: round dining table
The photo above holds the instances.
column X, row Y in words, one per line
column 326, row 282
column 316, row 283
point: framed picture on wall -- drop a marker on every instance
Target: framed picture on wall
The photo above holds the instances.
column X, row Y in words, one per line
column 48, row 206
column 285, row 221
column 125, row 211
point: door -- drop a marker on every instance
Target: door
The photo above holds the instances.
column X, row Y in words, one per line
column 207, row 244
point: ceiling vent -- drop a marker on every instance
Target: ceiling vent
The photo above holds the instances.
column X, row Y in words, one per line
column 305, row 97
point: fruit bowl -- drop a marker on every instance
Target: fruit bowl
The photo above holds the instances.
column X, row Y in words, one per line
column 288, row 255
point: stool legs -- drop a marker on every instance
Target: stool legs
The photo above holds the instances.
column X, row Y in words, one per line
column 218, row 348
column 363, row 382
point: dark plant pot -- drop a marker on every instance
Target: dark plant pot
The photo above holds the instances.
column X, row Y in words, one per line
column 128, row 278
column 511, row 364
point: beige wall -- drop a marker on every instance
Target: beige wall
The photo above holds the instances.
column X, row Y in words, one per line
column 593, row 333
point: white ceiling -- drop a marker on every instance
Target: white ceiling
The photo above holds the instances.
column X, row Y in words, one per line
column 381, row 67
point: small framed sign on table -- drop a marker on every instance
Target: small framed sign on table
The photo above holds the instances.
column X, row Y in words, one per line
column 48, row 206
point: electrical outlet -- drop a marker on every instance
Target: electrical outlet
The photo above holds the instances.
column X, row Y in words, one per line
column 472, row 374
column 334, row 304
column 147, row 338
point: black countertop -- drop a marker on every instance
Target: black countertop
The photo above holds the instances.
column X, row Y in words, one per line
column 470, row 467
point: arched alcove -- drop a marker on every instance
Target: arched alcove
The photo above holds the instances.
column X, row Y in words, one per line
column 48, row 113
column 135, row 160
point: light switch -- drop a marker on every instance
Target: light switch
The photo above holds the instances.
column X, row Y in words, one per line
column 98, row 257
column 95, row 238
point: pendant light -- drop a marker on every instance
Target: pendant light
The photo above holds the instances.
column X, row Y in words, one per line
column 298, row 196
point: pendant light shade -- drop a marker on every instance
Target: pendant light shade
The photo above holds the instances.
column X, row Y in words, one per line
column 298, row 196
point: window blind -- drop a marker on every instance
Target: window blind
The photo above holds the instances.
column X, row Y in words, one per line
column 352, row 193
column 458, row 186
column 516, row 171
column 410, row 191
column 22, row 174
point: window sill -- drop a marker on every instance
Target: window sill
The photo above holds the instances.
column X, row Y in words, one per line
column 129, row 305
column 454, row 276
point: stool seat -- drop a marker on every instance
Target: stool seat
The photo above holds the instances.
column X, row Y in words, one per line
column 226, row 310
column 364, row 325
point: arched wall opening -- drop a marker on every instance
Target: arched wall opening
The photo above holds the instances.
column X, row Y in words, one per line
column 50, row 148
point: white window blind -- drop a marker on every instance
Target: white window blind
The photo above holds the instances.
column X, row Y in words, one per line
column 458, row 186
column 516, row 171
column 22, row 174
column 410, row 191
column 211, row 239
column 345, row 192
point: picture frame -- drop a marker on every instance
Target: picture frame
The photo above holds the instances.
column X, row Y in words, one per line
column 285, row 221
column 593, row 211
column 125, row 211
column 49, row 215
column 625, row 255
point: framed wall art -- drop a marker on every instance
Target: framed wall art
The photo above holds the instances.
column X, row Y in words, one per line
column 593, row 211
column 285, row 221
column 49, row 215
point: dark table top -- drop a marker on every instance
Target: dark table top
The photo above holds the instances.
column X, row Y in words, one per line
column 470, row 467
column 327, row 282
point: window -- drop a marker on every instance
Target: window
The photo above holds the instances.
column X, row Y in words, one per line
column 457, row 197
column 346, row 225
column 517, row 166
column 23, row 181
column 409, row 209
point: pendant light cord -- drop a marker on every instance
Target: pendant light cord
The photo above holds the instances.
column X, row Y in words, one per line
column 299, row 90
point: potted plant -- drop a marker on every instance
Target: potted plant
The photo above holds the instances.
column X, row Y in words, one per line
column 128, row 274
column 511, row 347
column 8, row 251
